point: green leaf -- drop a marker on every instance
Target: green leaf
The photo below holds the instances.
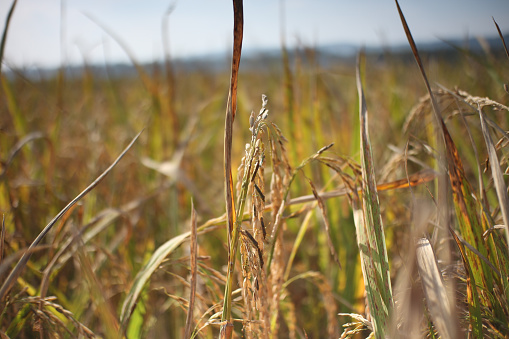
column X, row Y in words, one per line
column 370, row 232
column 144, row 275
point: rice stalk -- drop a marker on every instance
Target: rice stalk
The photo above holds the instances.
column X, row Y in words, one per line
column 321, row 206
column 51, row 316
column 288, row 81
column 255, row 286
column 193, row 261
column 251, row 247
column 231, row 109
column 2, row 238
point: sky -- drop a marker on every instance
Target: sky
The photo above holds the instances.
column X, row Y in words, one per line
column 47, row 33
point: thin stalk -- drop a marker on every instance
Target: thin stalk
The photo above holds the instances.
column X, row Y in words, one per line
column 234, row 247
column 231, row 108
column 226, row 316
column 4, row 35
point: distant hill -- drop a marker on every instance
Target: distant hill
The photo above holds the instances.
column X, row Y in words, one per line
column 260, row 58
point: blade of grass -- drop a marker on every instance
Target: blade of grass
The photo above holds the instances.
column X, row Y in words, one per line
column 321, row 206
column 2, row 238
column 231, row 108
column 415, row 52
column 472, row 294
column 288, row 81
column 496, row 172
column 24, row 259
column 501, row 37
column 144, row 275
column 370, row 233
column 4, row 35
column 194, row 269
column 482, row 257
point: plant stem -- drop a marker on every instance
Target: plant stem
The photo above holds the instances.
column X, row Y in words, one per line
column 227, row 305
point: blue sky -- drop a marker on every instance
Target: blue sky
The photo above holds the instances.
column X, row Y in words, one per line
column 41, row 34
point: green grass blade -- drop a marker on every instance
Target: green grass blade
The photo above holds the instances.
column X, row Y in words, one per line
column 472, row 294
column 151, row 266
column 19, row 321
column 496, row 172
column 193, row 261
column 370, row 233
column 321, row 206
column 144, row 275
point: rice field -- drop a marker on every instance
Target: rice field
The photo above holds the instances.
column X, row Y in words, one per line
column 304, row 196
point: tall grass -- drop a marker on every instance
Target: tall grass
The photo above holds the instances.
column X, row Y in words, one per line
column 334, row 226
